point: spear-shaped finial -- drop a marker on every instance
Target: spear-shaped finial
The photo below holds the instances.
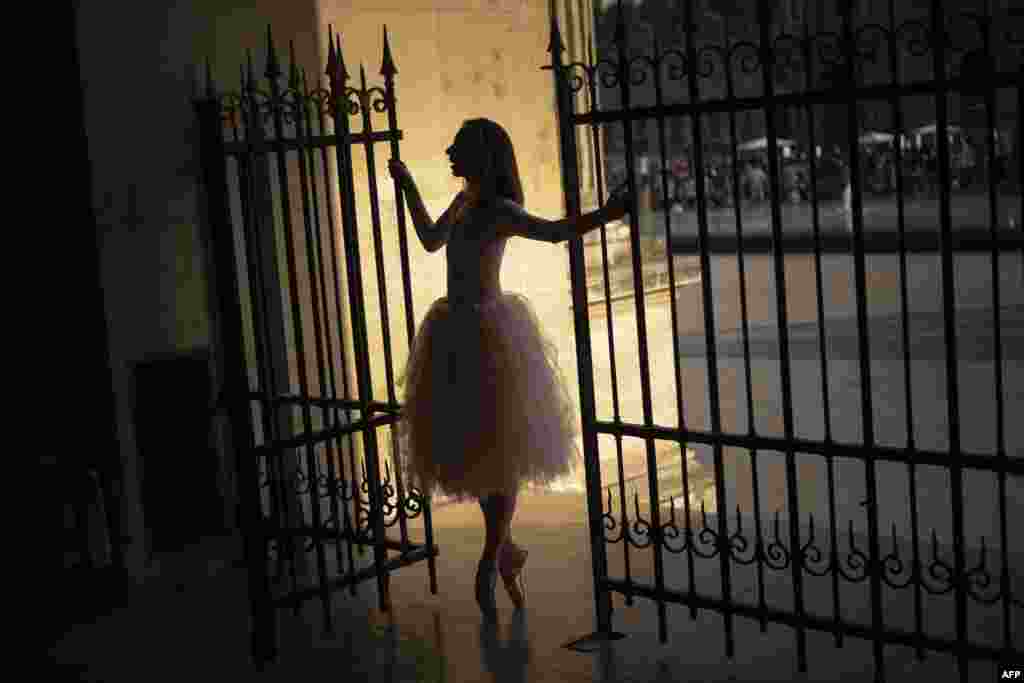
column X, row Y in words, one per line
column 211, row 88
column 387, row 66
column 273, row 67
column 555, row 46
column 362, row 76
column 332, row 60
column 293, row 70
column 343, row 72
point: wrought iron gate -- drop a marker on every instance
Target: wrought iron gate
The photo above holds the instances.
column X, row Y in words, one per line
column 795, row 69
column 311, row 499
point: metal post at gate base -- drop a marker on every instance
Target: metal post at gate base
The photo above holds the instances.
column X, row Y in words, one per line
column 571, row 189
column 230, row 346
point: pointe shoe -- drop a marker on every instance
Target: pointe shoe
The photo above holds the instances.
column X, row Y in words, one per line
column 486, row 581
column 510, row 564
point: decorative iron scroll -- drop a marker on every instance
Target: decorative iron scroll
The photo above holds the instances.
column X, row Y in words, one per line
column 935, row 576
column 789, row 53
column 258, row 103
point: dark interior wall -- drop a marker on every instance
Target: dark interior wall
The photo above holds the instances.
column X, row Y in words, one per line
column 136, row 69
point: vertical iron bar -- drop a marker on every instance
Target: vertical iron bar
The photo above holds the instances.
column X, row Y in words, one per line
column 864, row 351
column 358, row 312
column 263, row 626
column 388, row 70
column 744, row 314
column 277, row 103
column 641, row 331
column 592, row 466
column 622, row 73
column 721, row 506
column 897, row 111
column 378, row 245
column 997, row 361
column 314, row 250
column 277, row 366
column 351, row 528
column 767, row 76
column 337, row 76
column 648, row 410
column 949, row 308
column 613, row 366
column 674, row 316
column 807, row 43
column 385, row 320
column 261, row 335
column 312, row 243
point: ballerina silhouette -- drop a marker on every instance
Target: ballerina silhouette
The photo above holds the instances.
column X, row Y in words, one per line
column 486, row 407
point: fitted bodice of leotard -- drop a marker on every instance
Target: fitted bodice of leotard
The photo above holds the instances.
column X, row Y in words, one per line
column 474, row 261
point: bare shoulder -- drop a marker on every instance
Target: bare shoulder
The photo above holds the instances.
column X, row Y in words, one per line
column 511, row 220
column 508, row 210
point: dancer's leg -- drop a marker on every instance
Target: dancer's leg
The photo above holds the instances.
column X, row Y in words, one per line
column 510, row 511
column 497, row 519
column 511, row 556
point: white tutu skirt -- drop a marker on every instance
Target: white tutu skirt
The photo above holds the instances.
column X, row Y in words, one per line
column 486, row 408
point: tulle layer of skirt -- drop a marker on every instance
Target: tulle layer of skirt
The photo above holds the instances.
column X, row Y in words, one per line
column 486, row 408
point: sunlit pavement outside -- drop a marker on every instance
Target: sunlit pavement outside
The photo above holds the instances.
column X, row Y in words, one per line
column 968, row 209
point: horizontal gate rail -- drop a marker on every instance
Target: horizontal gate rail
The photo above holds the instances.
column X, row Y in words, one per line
column 321, row 402
column 419, row 554
column 862, row 93
column 875, row 242
column 316, row 142
column 328, row 435
column 984, row 461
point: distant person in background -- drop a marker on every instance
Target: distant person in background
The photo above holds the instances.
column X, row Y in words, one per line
column 757, row 182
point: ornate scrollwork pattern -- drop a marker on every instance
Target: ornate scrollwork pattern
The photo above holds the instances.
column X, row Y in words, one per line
column 939, row 574
column 251, row 106
column 639, row 535
column 827, row 50
column 579, row 75
column 610, row 525
column 738, row 544
column 812, row 559
column 894, row 568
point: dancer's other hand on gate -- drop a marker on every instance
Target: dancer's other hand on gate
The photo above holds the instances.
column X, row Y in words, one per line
column 433, row 234
column 400, row 172
column 619, row 203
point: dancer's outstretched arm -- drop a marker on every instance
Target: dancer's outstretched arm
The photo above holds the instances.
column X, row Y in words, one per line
column 513, row 220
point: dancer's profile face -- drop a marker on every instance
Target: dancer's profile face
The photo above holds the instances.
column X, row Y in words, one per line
column 463, row 154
